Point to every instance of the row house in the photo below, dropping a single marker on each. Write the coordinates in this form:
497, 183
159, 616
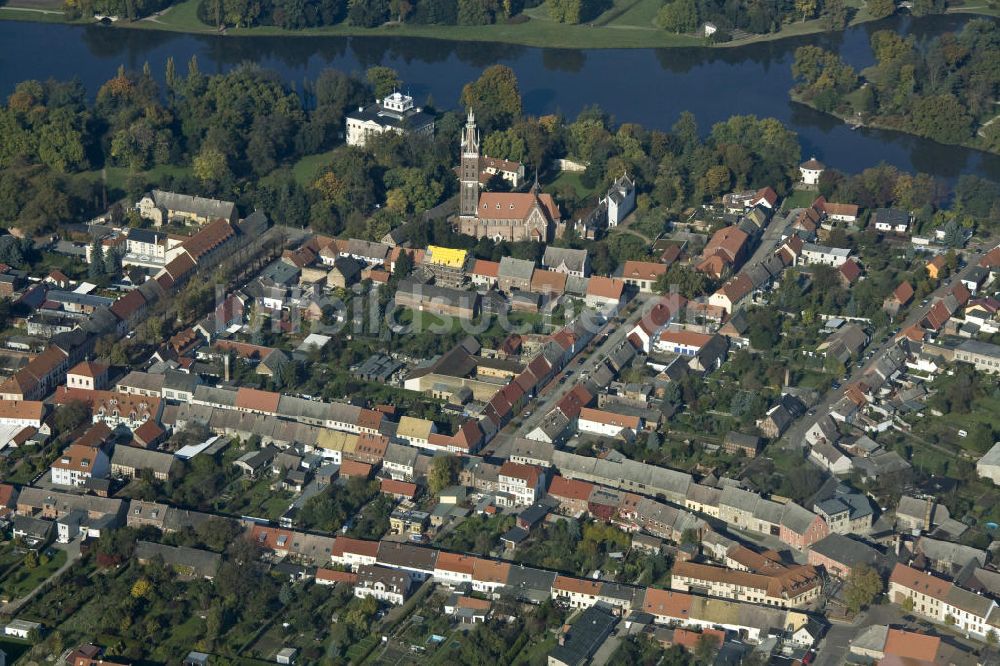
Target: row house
942, 601
584, 593
38, 378
454, 569
390, 586
643, 275
605, 423
751, 621
793, 587
572, 495
114, 409
519, 485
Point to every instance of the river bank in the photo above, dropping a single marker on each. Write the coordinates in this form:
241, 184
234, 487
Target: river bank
873, 124
628, 25
649, 87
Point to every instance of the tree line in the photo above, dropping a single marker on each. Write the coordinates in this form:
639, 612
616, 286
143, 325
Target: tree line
944, 89
298, 14
685, 16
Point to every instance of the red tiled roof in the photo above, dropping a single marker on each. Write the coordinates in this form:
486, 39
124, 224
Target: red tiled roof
666, 603
257, 400
32, 410
660, 313
768, 195
686, 338
88, 369
543, 281
671, 254
179, 266
370, 419
920, 581
899, 643
398, 488
570, 488
125, 307
730, 240
334, 576
342, 545
349, 468
991, 259
605, 287
850, 270
572, 402
576, 585
515, 205
643, 270
609, 418
77, 458
209, 238
148, 432
489, 571
486, 268
455, 562
903, 293
468, 435
527, 473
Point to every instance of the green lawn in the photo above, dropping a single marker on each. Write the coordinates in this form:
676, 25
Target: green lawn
23, 580
799, 199
257, 499
571, 178
307, 168
629, 24
638, 14
539, 30
16, 14
118, 176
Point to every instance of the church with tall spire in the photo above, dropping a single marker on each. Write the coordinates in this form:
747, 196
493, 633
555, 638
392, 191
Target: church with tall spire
501, 216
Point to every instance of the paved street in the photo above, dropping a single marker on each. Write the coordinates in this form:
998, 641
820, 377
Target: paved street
554, 391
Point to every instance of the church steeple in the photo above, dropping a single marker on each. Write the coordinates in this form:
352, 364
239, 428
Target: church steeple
469, 192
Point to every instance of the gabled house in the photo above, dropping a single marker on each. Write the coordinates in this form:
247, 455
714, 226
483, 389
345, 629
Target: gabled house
79, 464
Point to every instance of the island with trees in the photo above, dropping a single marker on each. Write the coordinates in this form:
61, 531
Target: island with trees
945, 89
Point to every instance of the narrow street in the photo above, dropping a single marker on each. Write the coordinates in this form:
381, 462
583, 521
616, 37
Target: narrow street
795, 435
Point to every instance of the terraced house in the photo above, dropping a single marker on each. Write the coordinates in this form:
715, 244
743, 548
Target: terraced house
791, 587
942, 601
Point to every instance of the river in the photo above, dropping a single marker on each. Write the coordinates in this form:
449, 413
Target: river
646, 86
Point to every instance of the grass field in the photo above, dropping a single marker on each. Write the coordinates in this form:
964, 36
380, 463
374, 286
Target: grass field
628, 24
118, 176
23, 580
799, 199
308, 167
573, 180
